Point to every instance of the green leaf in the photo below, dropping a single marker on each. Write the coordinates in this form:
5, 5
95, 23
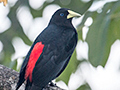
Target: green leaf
84, 87
102, 34
13, 64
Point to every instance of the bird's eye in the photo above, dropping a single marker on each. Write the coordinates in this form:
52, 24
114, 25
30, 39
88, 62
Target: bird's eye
61, 14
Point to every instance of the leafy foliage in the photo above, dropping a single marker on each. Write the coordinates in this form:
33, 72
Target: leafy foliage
103, 32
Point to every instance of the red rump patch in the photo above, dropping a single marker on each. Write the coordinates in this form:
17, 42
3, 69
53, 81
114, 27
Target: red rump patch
35, 54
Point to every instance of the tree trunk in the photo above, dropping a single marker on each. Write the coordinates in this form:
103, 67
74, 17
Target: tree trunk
9, 78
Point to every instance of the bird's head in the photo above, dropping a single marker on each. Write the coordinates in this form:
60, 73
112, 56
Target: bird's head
63, 16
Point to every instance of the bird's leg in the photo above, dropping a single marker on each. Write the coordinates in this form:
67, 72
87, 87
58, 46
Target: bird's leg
52, 84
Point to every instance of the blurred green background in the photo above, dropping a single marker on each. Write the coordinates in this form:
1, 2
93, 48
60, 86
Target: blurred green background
100, 19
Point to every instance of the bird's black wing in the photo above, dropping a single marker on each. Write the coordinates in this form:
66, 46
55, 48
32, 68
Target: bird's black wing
45, 68
23, 68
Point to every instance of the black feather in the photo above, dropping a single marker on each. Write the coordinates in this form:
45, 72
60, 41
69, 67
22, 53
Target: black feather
59, 39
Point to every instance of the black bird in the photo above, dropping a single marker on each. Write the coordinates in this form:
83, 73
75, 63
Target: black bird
50, 52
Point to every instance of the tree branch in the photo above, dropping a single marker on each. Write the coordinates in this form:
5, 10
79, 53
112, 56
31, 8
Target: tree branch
9, 78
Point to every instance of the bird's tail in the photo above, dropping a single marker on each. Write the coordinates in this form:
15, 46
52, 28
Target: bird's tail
19, 83
28, 85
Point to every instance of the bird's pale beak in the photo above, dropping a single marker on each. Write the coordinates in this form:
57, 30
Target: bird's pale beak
72, 14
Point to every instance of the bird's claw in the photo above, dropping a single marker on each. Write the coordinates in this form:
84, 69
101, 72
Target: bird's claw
52, 84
